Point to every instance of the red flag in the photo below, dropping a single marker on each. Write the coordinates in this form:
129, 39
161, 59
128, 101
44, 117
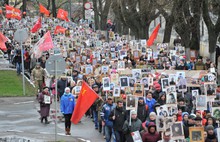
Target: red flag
37, 26
45, 43
62, 14
12, 12
3, 39
59, 29
43, 10
87, 96
153, 36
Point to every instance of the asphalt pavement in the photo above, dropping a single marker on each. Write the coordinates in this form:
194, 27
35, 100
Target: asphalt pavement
19, 121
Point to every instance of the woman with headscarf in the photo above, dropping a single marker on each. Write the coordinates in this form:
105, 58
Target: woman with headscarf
45, 99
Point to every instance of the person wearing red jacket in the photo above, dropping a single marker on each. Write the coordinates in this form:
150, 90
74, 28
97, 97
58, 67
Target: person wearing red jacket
152, 135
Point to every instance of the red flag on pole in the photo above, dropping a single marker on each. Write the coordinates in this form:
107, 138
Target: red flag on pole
3, 39
12, 12
59, 29
43, 10
153, 36
37, 26
62, 14
45, 43
87, 96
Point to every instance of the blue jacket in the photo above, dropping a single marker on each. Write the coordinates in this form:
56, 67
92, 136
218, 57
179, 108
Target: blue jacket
150, 104
67, 103
106, 110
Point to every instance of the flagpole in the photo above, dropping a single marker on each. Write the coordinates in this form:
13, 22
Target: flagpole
22, 58
56, 101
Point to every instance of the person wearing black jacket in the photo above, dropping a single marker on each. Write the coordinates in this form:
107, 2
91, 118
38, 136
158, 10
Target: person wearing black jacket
141, 110
17, 61
118, 116
61, 85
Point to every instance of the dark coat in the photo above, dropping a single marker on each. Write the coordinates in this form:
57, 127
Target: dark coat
120, 117
142, 112
61, 85
44, 108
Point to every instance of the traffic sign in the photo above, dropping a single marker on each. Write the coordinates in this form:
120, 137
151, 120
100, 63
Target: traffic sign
88, 5
55, 65
21, 35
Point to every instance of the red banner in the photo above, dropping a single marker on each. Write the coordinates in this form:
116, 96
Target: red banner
43, 10
12, 12
37, 26
62, 14
153, 36
86, 98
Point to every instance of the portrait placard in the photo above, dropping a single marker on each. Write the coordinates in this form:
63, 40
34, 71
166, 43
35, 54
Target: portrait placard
160, 123
216, 112
165, 83
138, 89
131, 102
116, 91
47, 99
106, 83
114, 78
201, 102
124, 81
136, 54
196, 134
77, 89
89, 70
177, 131
162, 111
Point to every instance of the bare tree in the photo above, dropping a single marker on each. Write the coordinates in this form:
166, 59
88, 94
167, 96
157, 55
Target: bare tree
137, 15
166, 8
101, 9
213, 25
187, 22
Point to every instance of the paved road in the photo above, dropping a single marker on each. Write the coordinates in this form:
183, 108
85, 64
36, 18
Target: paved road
19, 117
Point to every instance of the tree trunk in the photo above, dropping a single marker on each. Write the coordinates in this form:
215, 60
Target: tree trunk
24, 6
212, 41
168, 29
54, 8
103, 22
96, 16
48, 4
142, 33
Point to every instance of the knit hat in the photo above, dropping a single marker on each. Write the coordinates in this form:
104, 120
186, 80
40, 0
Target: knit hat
133, 112
209, 127
153, 114
67, 88
185, 113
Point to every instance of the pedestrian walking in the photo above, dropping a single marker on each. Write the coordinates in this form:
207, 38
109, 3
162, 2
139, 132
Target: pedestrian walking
67, 105
38, 75
45, 100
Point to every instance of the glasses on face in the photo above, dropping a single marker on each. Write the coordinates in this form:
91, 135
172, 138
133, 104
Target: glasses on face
109, 99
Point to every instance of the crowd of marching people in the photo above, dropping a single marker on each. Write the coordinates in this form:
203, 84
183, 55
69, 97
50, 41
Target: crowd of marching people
170, 105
